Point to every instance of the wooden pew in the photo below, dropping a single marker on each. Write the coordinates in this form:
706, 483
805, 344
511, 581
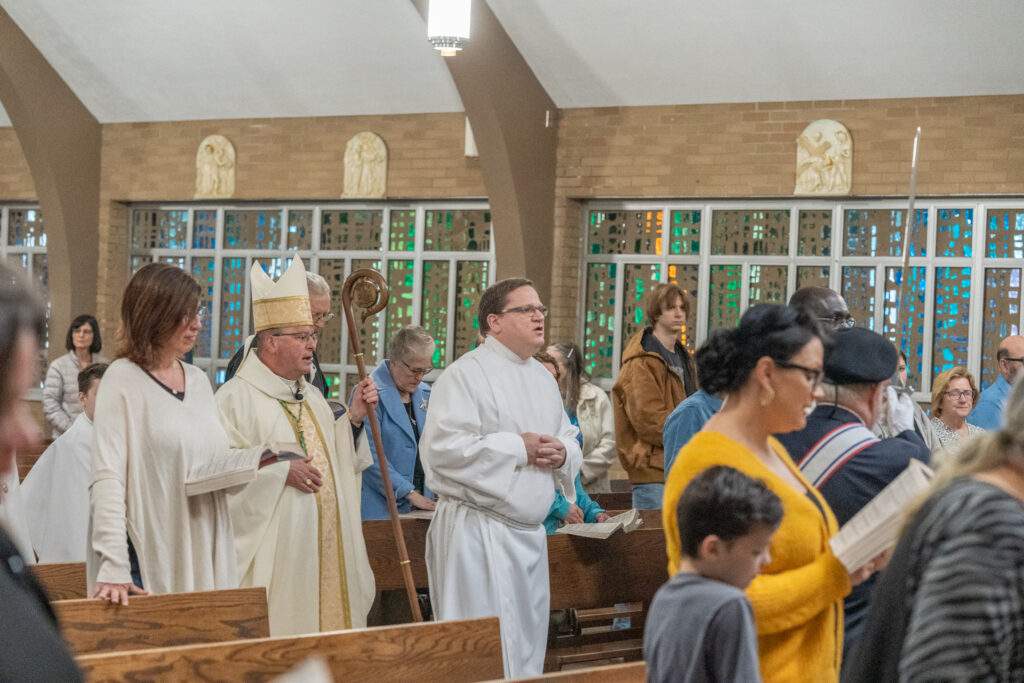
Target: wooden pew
633, 672
27, 459
64, 581
450, 652
614, 501
163, 620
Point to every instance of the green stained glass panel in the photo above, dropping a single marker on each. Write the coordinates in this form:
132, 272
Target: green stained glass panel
750, 232
638, 281
457, 230
687, 276
345, 230
814, 233
599, 319
402, 231
767, 285
399, 312
724, 296
369, 331
471, 281
684, 236
328, 349
434, 307
812, 276
625, 232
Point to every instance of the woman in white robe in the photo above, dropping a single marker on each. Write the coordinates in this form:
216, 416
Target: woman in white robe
157, 432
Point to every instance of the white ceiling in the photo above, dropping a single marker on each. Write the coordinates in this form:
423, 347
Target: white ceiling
157, 60
643, 52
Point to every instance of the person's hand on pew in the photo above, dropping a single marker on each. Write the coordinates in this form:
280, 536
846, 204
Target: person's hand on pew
303, 476
419, 501
116, 593
543, 450
574, 516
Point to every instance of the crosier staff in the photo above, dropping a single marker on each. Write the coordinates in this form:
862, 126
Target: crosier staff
369, 290
907, 234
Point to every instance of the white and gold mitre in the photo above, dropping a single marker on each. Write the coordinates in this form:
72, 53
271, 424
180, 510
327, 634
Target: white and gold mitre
284, 303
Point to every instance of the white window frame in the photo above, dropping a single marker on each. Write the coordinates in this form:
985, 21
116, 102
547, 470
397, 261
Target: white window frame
28, 265
313, 256
836, 261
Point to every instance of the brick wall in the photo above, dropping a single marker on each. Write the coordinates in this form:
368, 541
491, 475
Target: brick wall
970, 145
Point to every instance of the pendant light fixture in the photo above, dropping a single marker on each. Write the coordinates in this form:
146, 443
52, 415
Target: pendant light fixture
448, 25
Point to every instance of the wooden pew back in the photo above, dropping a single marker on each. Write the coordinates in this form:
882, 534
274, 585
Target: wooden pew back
65, 581
163, 620
633, 672
450, 652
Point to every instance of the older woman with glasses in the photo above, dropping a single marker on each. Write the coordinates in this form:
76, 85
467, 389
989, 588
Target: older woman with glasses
402, 412
953, 398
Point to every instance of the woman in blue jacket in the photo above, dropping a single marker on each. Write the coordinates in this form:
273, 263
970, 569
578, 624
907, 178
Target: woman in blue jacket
401, 412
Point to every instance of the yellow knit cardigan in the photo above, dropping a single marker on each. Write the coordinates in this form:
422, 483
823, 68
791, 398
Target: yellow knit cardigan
798, 598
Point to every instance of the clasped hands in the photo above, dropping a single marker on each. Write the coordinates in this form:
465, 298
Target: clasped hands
543, 450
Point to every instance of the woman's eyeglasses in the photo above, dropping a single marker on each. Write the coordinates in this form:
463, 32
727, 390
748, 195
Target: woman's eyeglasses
813, 376
955, 395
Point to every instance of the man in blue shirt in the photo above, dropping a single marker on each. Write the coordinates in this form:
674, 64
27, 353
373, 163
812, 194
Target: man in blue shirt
687, 419
988, 413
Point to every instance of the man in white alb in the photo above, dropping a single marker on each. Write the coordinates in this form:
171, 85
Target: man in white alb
298, 528
496, 444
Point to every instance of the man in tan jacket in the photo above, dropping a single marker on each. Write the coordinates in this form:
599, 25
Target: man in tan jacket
657, 373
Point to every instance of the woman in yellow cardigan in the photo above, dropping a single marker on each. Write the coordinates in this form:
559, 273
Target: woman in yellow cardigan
770, 368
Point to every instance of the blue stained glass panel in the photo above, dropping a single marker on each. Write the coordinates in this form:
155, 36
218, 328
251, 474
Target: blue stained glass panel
907, 329
1001, 317
252, 229
859, 292
879, 232
1005, 235
204, 271
952, 318
204, 229
954, 231
232, 305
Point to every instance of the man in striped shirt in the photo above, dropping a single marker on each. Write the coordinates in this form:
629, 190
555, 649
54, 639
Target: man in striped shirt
838, 452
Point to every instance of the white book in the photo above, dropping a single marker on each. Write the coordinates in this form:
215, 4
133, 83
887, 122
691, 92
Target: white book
235, 468
630, 520
876, 528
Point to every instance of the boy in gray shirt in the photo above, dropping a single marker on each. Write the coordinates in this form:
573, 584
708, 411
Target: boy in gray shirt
700, 626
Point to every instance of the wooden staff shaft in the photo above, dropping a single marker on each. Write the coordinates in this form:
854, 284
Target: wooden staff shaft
382, 461
901, 296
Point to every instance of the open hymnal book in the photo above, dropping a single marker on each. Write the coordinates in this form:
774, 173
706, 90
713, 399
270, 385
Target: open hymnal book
235, 468
876, 527
630, 520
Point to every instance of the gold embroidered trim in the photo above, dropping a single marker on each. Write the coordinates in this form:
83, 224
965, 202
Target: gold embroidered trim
285, 311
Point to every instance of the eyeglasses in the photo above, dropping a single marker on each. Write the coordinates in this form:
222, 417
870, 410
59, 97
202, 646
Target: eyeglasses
419, 372
1015, 360
199, 315
955, 395
813, 376
323, 318
528, 310
302, 337
840, 321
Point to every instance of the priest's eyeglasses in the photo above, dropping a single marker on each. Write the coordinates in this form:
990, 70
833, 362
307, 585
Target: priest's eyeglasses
813, 376
302, 337
528, 310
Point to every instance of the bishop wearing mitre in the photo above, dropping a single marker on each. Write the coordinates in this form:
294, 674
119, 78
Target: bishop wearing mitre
297, 527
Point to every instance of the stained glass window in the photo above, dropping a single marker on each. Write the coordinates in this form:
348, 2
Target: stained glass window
471, 281
232, 305
724, 296
908, 331
625, 232
160, 229
812, 276
638, 281
767, 284
879, 232
599, 319
329, 347
1001, 316
25, 228
459, 230
434, 306
859, 292
333, 381
252, 229
351, 230
688, 277
954, 231
204, 271
1005, 238
814, 233
299, 230
684, 237
750, 232
368, 330
204, 229
402, 231
952, 318
401, 277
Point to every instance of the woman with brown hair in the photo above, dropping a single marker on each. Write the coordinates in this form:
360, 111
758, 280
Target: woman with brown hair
157, 431
953, 398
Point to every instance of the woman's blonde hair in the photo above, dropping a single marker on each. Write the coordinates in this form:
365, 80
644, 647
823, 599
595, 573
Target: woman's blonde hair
988, 451
942, 385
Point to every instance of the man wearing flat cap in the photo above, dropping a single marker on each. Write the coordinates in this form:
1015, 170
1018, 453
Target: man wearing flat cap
837, 450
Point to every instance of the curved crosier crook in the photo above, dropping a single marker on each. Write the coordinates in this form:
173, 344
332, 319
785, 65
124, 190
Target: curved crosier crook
368, 290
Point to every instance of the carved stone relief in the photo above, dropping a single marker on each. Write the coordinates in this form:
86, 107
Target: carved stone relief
215, 168
824, 159
366, 166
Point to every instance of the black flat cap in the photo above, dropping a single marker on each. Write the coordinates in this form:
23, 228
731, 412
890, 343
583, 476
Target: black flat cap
859, 356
